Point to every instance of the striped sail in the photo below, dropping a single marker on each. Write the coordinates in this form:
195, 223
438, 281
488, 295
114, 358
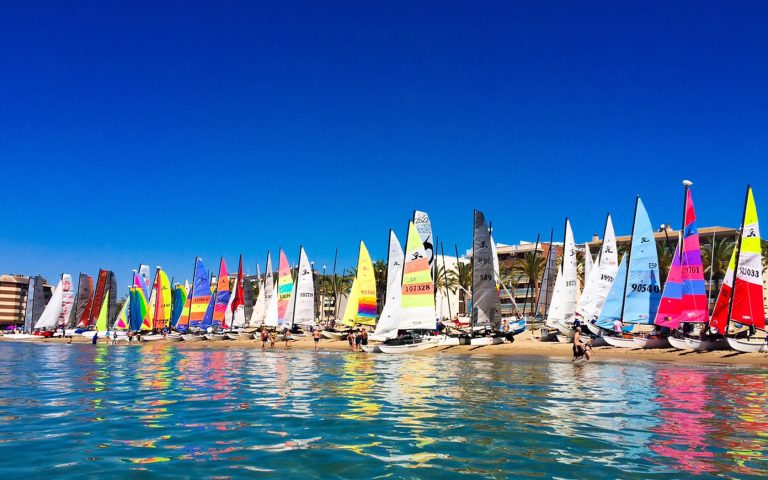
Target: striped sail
747, 293
668, 313
366, 302
304, 301
235, 315
612, 307
643, 291
485, 297
163, 303
179, 304
270, 296
601, 278
417, 301
222, 297
719, 319
389, 318
101, 322
200, 297
693, 304
138, 307
284, 289
566, 286
122, 322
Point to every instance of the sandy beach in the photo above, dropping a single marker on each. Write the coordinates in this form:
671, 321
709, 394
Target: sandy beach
524, 345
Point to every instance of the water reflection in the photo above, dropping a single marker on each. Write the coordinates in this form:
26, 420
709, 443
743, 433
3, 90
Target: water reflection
165, 410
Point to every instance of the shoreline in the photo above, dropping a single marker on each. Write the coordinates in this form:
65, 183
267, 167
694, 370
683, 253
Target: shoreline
524, 345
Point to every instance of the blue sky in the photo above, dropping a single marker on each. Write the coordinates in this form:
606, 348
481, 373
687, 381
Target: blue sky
156, 131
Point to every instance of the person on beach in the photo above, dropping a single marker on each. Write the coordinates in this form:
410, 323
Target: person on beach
95, 338
364, 337
351, 340
581, 349
114, 338
264, 337
272, 339
358, 341
316, 337
288, 338
618, 327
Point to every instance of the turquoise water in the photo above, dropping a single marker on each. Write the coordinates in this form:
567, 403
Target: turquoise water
163, 410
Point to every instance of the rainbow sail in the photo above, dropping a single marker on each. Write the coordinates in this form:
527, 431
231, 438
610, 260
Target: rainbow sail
284, 289
236, 312
122, 320
418, 292
693, 303
163, 302
746, 294
222, 297
200, 297
179, 303
138, 307
366, 284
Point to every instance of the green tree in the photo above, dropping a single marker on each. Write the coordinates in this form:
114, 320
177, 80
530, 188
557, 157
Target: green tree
715, 258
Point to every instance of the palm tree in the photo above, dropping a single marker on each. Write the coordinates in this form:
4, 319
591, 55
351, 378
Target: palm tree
529, 267
665, 253
380, 274
461, 278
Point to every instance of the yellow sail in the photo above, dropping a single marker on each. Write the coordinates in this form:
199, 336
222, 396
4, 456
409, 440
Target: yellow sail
366, 284
101, 322
164, 301
350, 311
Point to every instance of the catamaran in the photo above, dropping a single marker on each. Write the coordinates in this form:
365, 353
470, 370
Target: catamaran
561, 310
600, 279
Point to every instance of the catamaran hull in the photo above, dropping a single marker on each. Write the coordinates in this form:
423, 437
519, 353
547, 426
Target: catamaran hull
645, 342
411, 347
448, 341
678, 343
564, 338
371, 348
174, 338
192, 338
706, 345
599, 342
232, 336
214, 337
620, 342
334, 335
482, 341
21, 337
547, 335
747, 346
151, 338
594, 329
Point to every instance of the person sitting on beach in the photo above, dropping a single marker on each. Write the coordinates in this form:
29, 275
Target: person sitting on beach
580, 349
316, 337
351, 340
288, 338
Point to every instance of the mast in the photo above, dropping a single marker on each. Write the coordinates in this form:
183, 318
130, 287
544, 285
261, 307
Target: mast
335, 288
711, 268
191, 295
549, 252
389, 245
293, 313
736, 266
472, 316
629, 257
531, 280
156, 287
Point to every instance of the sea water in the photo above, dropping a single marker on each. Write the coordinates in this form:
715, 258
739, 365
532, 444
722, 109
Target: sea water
69, 411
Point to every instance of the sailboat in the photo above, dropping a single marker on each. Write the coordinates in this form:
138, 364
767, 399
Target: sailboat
361, 306
35, 304
417, 302
199, 301
303, 306
57, 309
741, 300
221, 302
485, 318
684, 300
160, 306
635, 293
387, 326
284, 291
547, 282
235, 314
600, 278
561, 309
260, 307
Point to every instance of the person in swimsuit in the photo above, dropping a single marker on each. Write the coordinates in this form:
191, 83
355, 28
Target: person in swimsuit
288, 337
272, 339
316, 337
351, 340
580, 349
364, 337
264, 337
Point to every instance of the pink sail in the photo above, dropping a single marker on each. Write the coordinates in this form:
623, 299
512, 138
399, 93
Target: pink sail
694, 307
669, 305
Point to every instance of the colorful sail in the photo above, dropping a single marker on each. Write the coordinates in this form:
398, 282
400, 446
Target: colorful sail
122, 322
284, 289
601, 278
164, 304
138, 309
235, 315
67, 299
719, 319
418, 292
566, 286
390, 314
145, 280
222, 297
485, 297
612, 307
668, 313
200, 297
642, 291
270, 296
101, 322
98, 297
747, 293
350, 309
693, 304
366, 304
179, 301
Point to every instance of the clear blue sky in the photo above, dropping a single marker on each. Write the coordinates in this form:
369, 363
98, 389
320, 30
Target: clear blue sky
156, 131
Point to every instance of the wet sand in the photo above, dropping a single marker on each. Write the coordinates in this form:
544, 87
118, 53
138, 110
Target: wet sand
524, 345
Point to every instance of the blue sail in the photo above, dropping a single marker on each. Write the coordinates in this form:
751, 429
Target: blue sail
208, 318
643, 289
612, 306
136, 317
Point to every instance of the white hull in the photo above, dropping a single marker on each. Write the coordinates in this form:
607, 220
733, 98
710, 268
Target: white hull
706, 345
678, 343
232, 336
21, 336
486, 341
248, 335
621, 342
152, 338
192, 338
564, 338
174, 338
547, 335
413, 347
594, 329
334, 335
91, 333
371, 348
645, 342
747, 346
599, 342
214, 337
448, 341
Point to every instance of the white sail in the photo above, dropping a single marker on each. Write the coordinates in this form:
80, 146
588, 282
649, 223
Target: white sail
50, 317
601, 277
260, 309
304, 302
486, 307
423, 225
67, 298
389, 318
228, 314
566, 286
270, 319
547, 283
588, 261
